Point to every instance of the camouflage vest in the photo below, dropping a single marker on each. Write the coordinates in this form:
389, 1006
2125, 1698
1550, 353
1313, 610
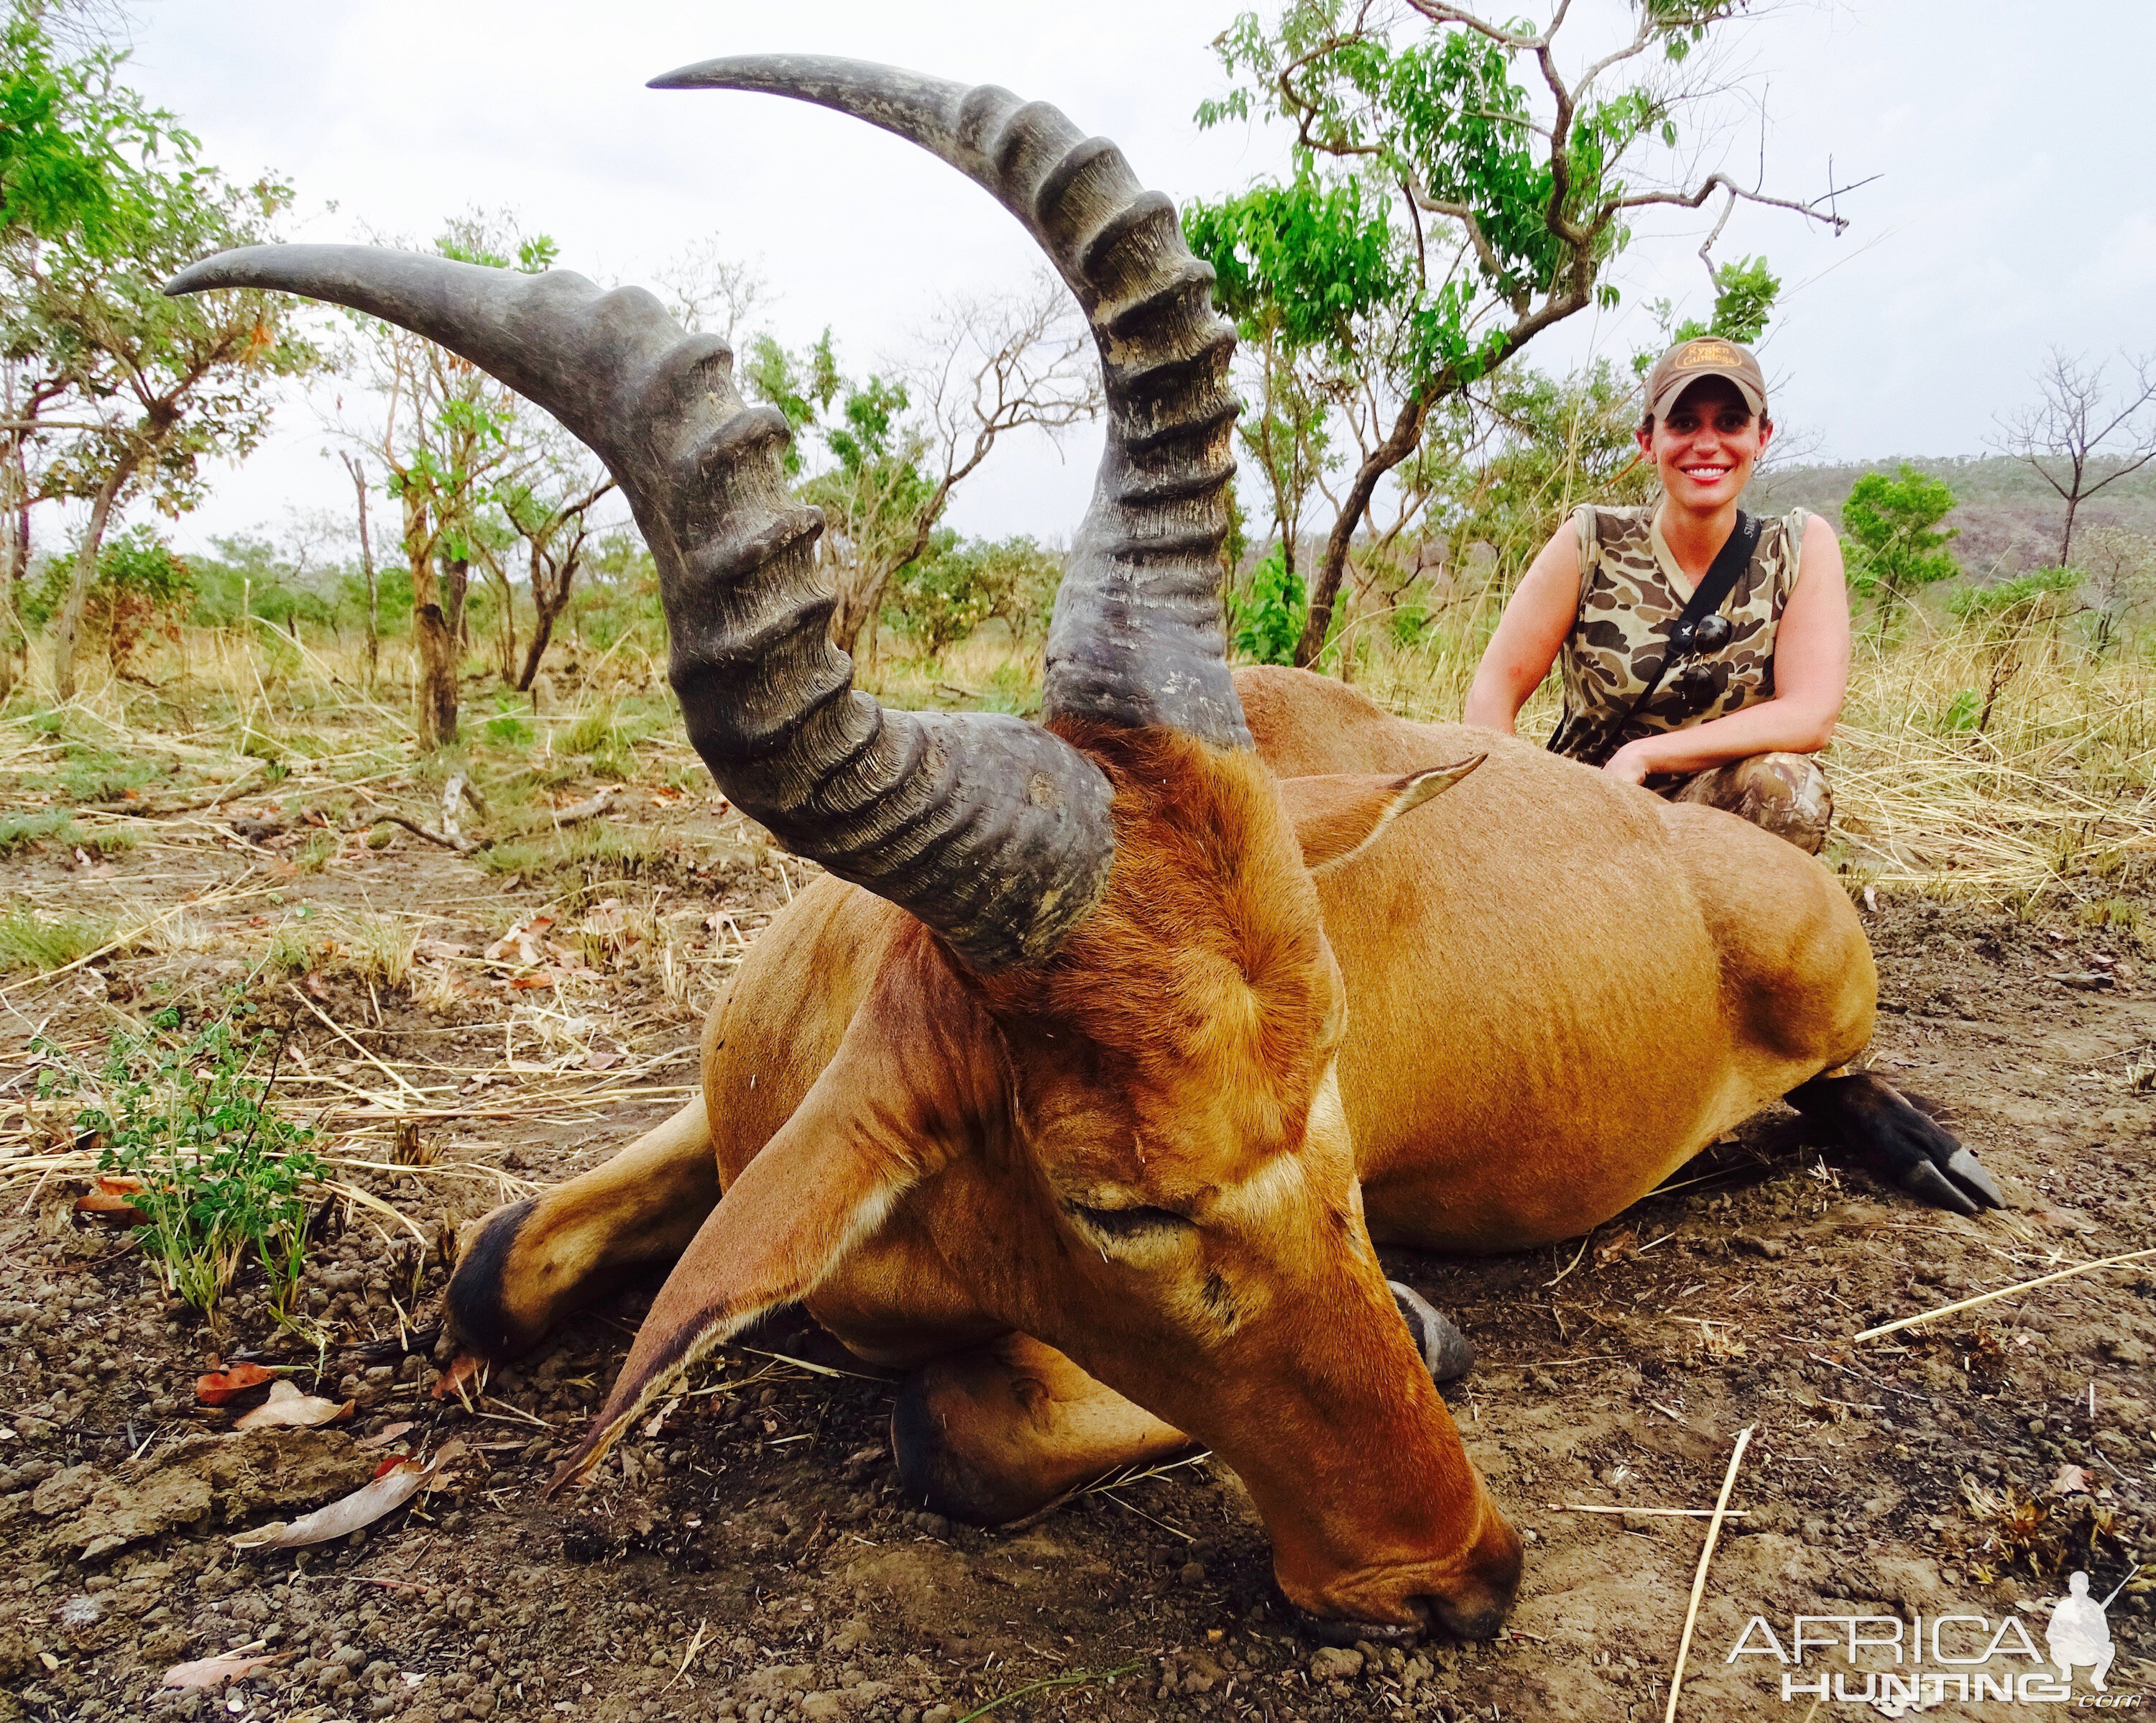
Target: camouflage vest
1631, 592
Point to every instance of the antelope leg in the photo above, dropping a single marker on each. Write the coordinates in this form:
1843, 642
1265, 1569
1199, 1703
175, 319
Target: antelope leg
528, 1264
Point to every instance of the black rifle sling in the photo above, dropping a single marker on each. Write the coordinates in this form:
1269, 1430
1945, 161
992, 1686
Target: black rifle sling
1716, 585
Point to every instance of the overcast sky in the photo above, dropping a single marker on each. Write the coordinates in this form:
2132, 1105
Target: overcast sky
2009, 213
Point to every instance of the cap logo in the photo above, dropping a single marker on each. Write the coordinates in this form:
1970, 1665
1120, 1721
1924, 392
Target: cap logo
1706, 353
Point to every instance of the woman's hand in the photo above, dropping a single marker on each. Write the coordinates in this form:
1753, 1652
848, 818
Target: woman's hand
1628, 764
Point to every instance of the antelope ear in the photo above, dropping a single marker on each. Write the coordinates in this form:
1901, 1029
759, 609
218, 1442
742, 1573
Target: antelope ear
1339, 815
895, 1104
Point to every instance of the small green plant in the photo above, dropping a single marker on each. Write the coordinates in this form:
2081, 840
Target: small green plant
221, 1173
1265, 622
19, 831
2111, 912
510, 726
93, 775
30, 939
592, 734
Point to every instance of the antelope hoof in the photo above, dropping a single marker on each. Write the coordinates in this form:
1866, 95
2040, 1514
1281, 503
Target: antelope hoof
1445, 1351
477, 1304
1904, 1143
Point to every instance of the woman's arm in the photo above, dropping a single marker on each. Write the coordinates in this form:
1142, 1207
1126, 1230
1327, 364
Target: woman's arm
1536, 619
1811, 679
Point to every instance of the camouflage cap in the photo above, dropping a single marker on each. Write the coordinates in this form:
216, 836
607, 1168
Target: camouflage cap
1705, 355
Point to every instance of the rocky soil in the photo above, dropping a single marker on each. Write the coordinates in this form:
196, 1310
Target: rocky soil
749, 1554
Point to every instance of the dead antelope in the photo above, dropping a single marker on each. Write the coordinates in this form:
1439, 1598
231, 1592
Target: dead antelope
1082, 1085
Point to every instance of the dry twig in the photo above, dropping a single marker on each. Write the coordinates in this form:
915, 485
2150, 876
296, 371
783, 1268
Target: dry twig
2019, 1286
1705, 1556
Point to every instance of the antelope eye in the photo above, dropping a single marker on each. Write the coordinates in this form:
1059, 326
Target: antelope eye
1128, 1222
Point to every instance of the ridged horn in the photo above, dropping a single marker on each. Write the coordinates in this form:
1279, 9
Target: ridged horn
993, 833
1136, 638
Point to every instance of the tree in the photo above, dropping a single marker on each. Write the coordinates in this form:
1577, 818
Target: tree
2075, 439
901, 446
351, 464
1287, 441
72, 141
153, 385
942, 596
1891, 523
550, 512
1438, 215
448, 442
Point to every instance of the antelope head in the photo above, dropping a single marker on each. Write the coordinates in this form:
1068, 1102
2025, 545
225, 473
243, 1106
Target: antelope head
1101, 1071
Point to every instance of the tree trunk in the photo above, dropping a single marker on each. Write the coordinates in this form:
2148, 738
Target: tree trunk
366, 565
2067, 541
505, 639
431, 636
455, 588
550, 596
859, 594
1325, 590
85, 571
542, 631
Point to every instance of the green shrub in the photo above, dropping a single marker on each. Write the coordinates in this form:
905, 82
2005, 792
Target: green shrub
141, 587
941, 597
221, 1173
1265, 619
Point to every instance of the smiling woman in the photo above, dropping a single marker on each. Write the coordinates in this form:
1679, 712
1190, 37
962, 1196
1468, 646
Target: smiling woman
1704, 654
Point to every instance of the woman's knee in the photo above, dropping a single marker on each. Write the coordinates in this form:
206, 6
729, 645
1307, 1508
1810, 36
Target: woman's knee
1786, 794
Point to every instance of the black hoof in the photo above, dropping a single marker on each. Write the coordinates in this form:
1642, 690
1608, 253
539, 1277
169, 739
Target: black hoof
477, 1315
1904, 1143
1445, 1352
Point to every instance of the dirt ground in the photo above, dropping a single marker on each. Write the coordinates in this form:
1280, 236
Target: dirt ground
748, 1556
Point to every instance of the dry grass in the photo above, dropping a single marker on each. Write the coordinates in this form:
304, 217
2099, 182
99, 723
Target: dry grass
2013, 769
2016, 769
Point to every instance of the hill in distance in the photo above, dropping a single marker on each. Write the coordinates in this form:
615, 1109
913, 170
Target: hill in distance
2008, 518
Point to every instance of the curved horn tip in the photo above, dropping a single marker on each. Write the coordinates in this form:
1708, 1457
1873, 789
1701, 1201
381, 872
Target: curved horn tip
200, 274
729, 70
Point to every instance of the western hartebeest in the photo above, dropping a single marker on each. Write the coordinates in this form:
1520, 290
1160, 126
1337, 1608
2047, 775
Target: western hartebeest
1083, 1084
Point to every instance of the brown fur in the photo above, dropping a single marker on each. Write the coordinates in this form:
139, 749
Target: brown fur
1152, 1155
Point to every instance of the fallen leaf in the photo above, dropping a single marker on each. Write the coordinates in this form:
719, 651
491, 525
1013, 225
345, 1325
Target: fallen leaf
288, 1407
2071, 1480
219, 1386
216, 1671
110, 1200
460, 1372
521, 941
350, 1514
601, 1059
1611, 1249
312, 985
390, 1465
382, 1438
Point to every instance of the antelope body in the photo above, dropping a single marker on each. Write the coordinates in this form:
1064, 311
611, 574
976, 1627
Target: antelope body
1083, 1082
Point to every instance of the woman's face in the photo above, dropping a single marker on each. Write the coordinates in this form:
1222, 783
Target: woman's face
1704, 447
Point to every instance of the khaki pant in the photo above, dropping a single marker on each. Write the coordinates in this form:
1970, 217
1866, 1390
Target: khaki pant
1786, 794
